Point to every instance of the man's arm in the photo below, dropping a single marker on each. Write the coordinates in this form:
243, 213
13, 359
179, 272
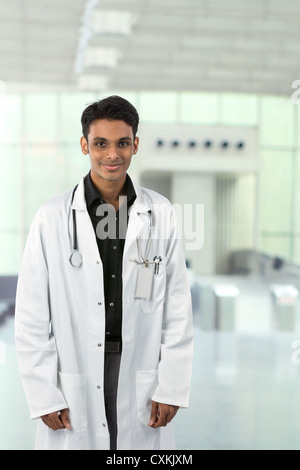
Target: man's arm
36, 348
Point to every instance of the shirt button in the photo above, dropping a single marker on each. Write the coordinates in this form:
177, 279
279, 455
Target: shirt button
113, 276
111, 304
115, 247
107, 333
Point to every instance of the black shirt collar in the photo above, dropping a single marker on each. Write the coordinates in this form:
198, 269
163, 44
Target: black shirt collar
92, 194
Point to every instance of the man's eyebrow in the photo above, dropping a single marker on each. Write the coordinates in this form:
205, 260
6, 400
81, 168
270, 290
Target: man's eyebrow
100, 138
103, 139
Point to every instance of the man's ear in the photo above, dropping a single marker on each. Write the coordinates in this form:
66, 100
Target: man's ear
84, 145
136, 145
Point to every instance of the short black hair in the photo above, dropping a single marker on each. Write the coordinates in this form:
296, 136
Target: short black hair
113, 108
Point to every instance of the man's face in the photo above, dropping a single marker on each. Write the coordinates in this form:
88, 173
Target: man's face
110, 146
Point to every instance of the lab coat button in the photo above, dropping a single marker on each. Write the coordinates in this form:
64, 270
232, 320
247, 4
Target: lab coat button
97, 262
99, 345
99, 303
98, 386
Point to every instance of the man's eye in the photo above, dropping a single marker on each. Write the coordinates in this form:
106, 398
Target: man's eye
100, 144
124, 144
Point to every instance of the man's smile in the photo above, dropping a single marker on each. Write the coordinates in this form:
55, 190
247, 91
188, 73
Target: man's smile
111, 166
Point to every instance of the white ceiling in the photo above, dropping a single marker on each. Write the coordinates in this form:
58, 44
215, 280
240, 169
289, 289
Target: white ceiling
215, 45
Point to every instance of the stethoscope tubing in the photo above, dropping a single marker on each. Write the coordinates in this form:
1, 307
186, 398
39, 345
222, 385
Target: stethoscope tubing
76, 257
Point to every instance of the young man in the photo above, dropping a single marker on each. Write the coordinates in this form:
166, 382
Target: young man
103, 313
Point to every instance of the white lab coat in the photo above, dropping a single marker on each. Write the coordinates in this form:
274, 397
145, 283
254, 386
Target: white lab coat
60, 327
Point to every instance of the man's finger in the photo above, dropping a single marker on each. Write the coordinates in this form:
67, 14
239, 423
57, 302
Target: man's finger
164, 414
64, 417
54, 420
154, 412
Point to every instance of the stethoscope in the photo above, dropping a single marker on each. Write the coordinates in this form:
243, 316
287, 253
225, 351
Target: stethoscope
76, 257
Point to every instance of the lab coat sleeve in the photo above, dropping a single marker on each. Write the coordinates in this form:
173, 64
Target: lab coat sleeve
175, 366
36, 348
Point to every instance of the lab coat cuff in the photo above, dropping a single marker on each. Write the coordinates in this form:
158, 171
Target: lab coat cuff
38, 414
171, 401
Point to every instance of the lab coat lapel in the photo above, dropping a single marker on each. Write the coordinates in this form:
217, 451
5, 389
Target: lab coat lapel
87, 242
136, 223
79, 197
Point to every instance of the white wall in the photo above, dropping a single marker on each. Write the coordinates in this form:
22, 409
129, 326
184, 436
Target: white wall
220, 180
190, 191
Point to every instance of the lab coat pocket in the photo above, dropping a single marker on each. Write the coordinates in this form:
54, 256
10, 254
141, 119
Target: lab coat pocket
146, 383
156, 302
73, 387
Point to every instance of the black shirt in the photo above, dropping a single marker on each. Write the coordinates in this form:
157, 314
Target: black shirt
110, 231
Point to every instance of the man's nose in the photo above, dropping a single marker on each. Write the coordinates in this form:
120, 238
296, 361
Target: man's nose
112, 152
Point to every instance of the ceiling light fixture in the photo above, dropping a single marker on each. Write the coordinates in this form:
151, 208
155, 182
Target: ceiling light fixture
90, 82
84, 35
113, 22
101, 57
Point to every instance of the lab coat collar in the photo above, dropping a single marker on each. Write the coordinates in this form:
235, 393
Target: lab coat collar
136, 223
79, 197
140, 205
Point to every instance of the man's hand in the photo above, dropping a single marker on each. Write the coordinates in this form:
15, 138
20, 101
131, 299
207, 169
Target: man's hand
57, 420
161, 414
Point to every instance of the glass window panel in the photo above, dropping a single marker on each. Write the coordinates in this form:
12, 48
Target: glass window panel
42, 169
10, 188
277, 121
297, 251
239, 109
71, 108
276, 186
10, 252
76, 165
198, 108
276, 246
41, 117
158, 107
297, 113
10, 118
296, 194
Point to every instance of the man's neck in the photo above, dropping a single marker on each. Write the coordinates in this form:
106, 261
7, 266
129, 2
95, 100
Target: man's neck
110, 190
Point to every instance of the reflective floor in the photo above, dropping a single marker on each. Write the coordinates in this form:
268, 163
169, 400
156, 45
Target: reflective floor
245, 389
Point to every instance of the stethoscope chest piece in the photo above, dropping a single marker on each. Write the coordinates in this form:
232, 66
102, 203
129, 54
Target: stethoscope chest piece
76, 259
